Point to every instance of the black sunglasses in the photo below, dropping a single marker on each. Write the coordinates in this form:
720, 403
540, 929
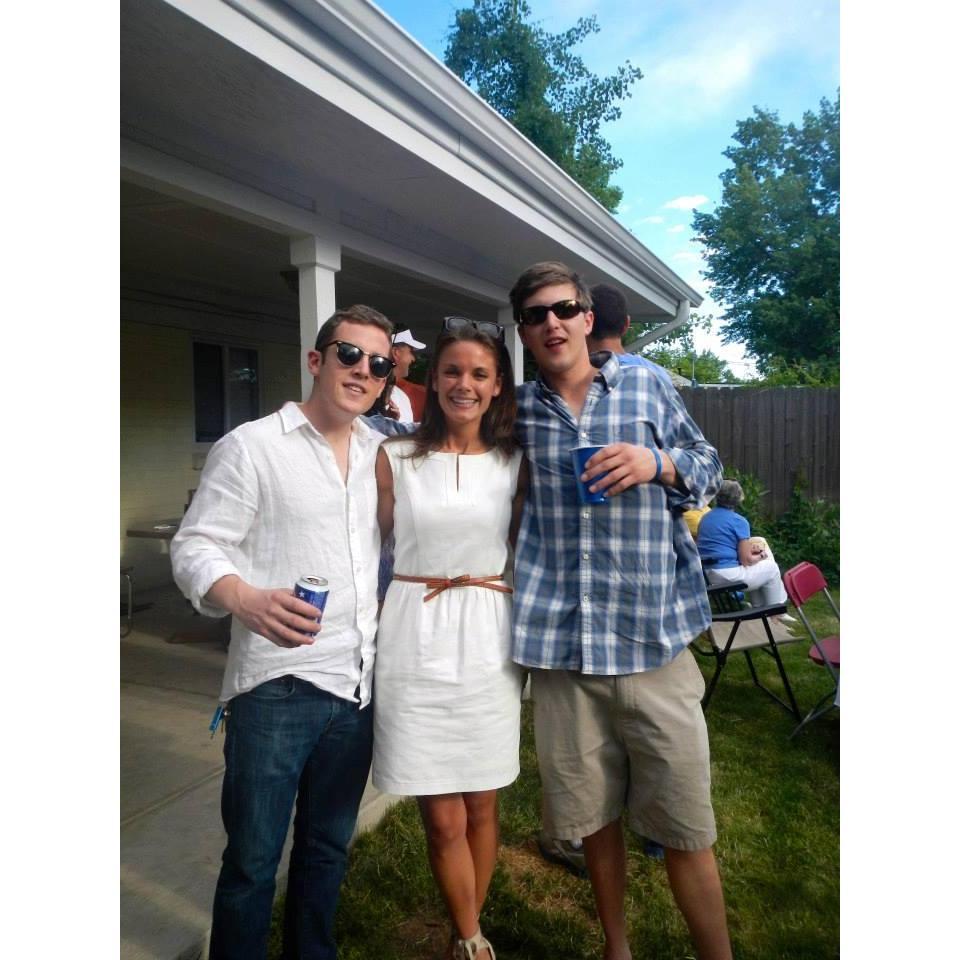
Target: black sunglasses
488, 327
562, 310
349, 355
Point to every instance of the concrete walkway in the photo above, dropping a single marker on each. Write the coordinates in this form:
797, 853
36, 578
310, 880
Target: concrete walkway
171, 837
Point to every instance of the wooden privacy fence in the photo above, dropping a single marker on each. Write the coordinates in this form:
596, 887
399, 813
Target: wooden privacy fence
776, 433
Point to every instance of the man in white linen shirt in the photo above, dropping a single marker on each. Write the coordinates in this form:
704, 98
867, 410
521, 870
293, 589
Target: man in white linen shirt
291, 494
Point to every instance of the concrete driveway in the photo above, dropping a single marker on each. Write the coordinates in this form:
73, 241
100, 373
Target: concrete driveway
171, 837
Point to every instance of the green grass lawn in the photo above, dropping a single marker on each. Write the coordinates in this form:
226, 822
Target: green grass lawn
778, 817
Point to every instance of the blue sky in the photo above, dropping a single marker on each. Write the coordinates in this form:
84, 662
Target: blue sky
705, 65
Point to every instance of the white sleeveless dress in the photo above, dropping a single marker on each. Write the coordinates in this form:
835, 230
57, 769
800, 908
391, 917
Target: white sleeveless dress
446, 693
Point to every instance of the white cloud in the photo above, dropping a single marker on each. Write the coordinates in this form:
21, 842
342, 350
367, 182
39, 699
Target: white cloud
686, 256
714, 73
704, 56
651, 220
686, 203
679, 228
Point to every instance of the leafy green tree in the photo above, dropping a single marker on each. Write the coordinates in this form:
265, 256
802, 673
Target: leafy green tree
706, 365
773, 243
675, 351
681, 337
530, 77
812, 373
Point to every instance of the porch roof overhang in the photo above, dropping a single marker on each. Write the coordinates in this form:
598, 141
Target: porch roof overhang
331, 114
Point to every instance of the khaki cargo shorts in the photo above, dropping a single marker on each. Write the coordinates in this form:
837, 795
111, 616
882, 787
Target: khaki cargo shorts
637, 742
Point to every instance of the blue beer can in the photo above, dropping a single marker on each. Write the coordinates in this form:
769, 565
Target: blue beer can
314, 590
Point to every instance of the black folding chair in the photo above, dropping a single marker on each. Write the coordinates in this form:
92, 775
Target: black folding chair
737, 628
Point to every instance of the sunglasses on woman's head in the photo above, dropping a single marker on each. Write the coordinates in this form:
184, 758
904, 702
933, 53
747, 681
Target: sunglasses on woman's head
562, 310
489, 327
349, 355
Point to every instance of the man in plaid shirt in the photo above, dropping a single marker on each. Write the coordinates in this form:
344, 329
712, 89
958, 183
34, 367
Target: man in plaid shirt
608, 596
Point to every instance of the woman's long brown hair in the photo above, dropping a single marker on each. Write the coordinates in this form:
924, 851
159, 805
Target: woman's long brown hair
496, 425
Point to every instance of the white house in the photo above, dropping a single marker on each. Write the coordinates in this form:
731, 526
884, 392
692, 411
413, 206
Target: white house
279, 159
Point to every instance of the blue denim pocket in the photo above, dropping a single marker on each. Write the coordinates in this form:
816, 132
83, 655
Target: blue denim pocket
277, 689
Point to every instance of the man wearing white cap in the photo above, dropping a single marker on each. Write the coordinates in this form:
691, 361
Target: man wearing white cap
403, 353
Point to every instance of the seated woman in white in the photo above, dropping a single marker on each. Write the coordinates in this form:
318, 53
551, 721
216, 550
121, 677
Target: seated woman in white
729, 554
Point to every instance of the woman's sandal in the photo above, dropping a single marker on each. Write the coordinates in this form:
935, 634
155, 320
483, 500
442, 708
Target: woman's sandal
467, 949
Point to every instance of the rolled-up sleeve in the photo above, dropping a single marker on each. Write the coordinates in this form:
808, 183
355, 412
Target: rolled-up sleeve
699, 470
206, 547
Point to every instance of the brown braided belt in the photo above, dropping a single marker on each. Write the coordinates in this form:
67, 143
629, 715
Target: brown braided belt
436, 585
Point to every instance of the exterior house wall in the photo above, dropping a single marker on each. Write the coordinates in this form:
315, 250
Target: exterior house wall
159, 459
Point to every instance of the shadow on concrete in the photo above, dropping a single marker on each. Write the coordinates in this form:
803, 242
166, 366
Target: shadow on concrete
171, 837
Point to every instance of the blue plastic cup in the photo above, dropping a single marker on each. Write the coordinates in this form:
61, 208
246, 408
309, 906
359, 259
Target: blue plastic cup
580, 456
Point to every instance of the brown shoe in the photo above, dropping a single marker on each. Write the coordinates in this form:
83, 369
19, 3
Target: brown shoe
563, 852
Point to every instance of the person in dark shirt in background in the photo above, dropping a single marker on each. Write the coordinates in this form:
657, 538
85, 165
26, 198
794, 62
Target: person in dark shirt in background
610, 322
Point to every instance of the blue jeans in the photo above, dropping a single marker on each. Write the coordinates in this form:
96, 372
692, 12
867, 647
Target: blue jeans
287, 740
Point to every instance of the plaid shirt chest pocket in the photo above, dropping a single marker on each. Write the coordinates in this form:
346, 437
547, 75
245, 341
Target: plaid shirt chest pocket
610, 420
638, 432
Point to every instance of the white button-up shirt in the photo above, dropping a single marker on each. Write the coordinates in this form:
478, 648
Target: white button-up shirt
271, 507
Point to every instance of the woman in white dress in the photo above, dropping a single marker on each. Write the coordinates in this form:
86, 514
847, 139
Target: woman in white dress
447, 695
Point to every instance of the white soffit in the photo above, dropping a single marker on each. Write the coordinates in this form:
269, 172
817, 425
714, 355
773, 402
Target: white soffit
387, 81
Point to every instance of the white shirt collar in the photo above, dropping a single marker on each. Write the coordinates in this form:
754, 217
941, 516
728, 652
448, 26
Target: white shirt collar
293, 418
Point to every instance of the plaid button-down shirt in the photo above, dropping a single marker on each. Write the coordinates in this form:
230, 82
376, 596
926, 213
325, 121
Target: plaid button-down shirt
616, 587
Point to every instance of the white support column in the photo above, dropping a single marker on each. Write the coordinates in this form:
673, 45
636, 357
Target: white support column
318, 260
514, 346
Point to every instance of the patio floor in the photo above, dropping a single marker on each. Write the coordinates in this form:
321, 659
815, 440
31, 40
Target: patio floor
171, 837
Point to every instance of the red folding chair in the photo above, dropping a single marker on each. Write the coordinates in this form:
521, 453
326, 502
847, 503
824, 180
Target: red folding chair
803, 582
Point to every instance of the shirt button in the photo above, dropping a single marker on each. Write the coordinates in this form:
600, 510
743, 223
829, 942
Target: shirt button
586, 556
583, 434
586, 598
585, 514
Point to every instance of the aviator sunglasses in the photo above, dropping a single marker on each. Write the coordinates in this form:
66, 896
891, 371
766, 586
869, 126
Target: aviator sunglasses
562, 310
349, 355
488, 327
